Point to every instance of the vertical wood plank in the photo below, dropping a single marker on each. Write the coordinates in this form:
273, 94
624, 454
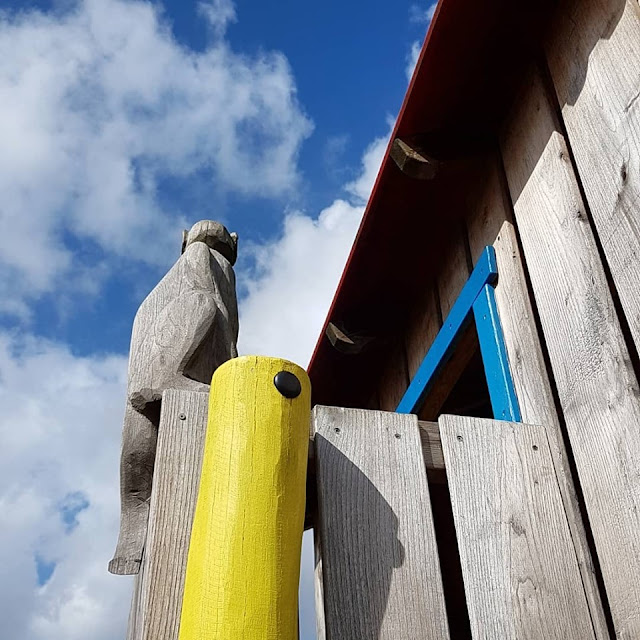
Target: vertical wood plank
520, 571
173, 500
593, 54
321, 633
454, 272
489, 222
423, 326
394, 380
596, 384
379, 556
434, 303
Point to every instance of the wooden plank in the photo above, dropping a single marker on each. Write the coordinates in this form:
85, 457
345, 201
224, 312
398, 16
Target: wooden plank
450, 374
394, 380
379, 556
489, 222
520, 572
412, 161
422, 328
432, 451
454, 272
595, 381
321, 632
173, 500
593, 54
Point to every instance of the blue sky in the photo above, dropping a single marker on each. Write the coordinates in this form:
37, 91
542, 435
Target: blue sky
123, 122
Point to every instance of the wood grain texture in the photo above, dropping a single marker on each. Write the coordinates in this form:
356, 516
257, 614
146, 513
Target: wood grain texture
449, 374
423, 326
596, 384
379, 557
521, 577
173, 502
243, 568
321, 631
432, 451
425, 322
489, 222
454, 272
185, 328
593, 54
394, 380
412, 161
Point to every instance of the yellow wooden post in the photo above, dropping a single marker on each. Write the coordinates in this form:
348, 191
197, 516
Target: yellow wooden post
244, 556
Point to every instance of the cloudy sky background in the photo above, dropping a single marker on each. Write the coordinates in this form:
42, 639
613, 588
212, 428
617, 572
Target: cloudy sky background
121, 123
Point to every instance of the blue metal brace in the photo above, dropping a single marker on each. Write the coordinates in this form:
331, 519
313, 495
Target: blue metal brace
477, 299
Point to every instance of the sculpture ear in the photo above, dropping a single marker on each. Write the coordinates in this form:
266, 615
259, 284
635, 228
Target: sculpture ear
234, 239
185, 235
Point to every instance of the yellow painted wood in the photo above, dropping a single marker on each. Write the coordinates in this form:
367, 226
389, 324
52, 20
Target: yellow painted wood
244, 557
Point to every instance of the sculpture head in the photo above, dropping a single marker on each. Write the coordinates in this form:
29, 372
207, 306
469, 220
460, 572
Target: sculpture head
215, 236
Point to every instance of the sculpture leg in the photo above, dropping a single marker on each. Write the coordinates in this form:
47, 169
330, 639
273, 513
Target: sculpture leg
136, 476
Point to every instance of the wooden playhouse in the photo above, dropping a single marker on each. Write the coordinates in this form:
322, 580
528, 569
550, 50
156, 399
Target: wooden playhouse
495, 277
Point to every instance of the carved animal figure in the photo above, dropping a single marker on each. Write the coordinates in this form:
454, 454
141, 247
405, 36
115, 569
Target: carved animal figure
185, 328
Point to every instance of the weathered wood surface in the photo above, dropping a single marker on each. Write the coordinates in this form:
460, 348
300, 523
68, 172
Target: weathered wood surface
185, 328
412, 161
432, 450
454, 272
426, 320
394, 380
520, 571
173, 501
321, 632
595, 381
423, 326
490, 222
593, 54
379, 557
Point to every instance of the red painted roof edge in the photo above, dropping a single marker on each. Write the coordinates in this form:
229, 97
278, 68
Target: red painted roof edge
376, 185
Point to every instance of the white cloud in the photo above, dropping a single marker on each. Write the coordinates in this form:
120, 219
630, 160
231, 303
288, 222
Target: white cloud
60, 429
219, 13
97, 104
290, 292
412, 59
418, 15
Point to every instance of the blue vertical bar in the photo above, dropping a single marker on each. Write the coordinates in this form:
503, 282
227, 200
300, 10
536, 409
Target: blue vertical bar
494, 356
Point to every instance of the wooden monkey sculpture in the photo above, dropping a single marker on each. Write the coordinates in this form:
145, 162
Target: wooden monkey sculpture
185, 328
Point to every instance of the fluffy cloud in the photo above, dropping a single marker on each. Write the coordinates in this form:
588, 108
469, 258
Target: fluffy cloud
98, 104
60, 429
290, 290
